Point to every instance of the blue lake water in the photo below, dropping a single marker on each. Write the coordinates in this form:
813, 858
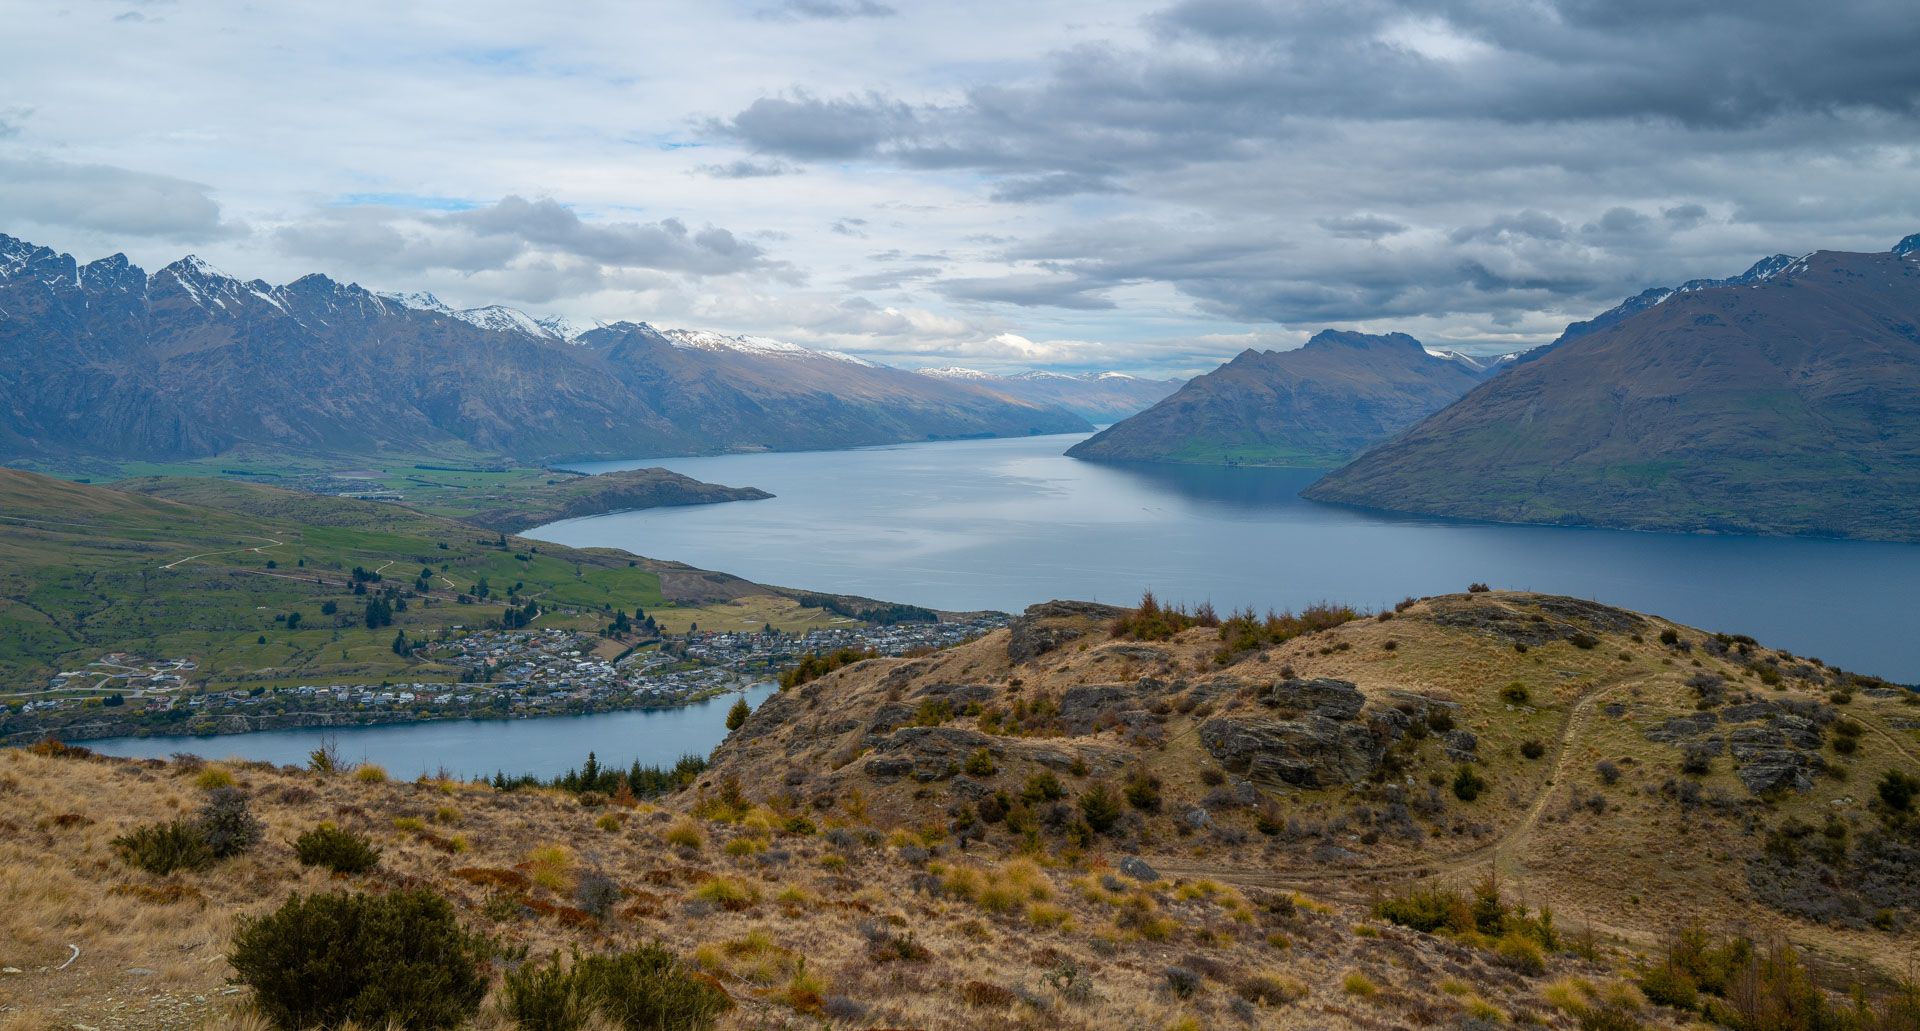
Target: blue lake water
546, 746
1004, 523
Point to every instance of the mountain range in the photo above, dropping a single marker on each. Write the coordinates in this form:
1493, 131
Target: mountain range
117, 365
1095, 396
1312, 406
1783, 401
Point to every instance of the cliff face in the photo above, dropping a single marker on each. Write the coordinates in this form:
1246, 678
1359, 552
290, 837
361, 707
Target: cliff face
117, 365
1784, 405
1314, 406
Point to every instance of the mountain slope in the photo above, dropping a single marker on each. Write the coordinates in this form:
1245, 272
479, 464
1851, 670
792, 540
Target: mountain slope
189, 362
1313, 406
1790, 405
1094, 396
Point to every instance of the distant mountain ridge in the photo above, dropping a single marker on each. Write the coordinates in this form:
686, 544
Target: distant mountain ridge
117, 365
1309, 407
1783, 401
1094, 396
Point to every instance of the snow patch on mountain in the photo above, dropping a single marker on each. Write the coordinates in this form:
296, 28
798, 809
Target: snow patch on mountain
708, 340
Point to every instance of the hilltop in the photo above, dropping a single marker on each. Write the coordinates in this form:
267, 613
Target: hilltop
116, 365
1310, 407
1785, 404
1102, 817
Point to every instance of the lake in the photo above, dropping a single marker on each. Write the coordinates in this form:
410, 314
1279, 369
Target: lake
1002, 524
546, 746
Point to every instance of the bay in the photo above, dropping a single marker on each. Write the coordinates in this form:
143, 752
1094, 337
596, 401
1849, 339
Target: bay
546, 746
1002, 524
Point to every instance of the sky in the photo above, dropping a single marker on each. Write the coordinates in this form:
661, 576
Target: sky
1145, 187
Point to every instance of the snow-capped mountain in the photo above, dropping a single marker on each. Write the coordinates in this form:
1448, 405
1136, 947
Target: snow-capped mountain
1761, 271
708, 340
192, 362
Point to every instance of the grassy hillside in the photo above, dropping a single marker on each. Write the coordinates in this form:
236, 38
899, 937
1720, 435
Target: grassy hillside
1240, 764
200, 568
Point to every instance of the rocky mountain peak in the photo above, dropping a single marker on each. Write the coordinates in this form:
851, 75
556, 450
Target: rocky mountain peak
1907, 245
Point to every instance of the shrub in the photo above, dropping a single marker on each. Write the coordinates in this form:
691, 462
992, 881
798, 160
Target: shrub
1143, 791
1515, 694
370, 773
1356, 983
1669, 636
1427, 909
1101, 806
727, 893
1043, 787
1519, 953
596, 894
1439, 721
684, 833
1665, 986
1532, 748
162, 848
335, 849
226, 824
1478, 588
1183, 983
1608, 770
1270, 989
1584, 641
1467, 784
1898, 790
1212, 776
980, 764
399, 959
738, 714
213, 777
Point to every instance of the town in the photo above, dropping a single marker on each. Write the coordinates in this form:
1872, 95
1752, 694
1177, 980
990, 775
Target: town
501, 674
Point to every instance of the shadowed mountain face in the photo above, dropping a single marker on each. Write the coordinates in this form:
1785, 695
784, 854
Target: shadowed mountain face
113, 364
1314, 406
1788, 404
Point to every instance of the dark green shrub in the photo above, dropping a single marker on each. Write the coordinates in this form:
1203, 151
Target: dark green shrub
1669, 636
1439, 721
1143, 791
226, 824
1515, 693
647, 989
1427, 909
1101, 806
1467, 784
1584, 640
980, 764
1532, 748
1212, 776
378, 960
1665, 986
162, 848
336, 850
1608, 770
1897, 790
1606, 1018
1043, 787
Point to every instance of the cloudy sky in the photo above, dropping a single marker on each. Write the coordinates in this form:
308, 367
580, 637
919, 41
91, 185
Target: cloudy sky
1076, 185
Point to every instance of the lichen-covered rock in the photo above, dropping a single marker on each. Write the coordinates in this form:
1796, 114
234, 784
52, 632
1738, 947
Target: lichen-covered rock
1676, 728
1137, 868
1083, 706
1461, 745
1321, 696
1030, 636
1309, 751
1775, 769
933, 753
960, 695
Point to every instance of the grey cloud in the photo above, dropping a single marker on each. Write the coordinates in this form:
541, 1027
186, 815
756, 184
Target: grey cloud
516, 229
1361, 227
1235, 75
891, 279
1685, 216
825, 10
1619, 221
848, 226
744, 169
109, 199
1051, 186
1030, 291
1533, 224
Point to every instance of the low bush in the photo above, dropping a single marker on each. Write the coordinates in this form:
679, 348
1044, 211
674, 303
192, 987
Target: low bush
1101, 806
596, 894
1515, 694
684, 833
980, 764
213, 777
1270, 989
1532, 748
227, 824
1467, 784
370, 773
386, 960
1143, 791
162, 848
335, 849
1043, 787
1608, 770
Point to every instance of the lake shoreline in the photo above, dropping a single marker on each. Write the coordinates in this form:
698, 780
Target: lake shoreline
239, 725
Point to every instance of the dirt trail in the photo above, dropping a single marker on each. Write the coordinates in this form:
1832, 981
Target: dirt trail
208, 554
